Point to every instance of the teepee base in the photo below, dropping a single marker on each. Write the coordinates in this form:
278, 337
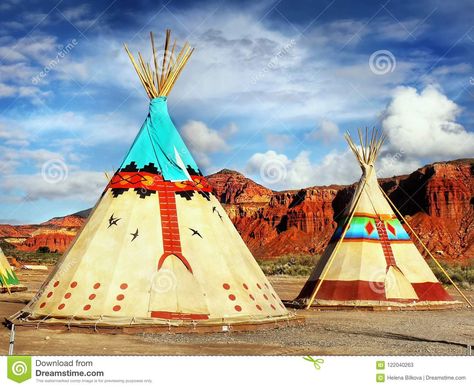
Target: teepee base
377, 307
173, 327
18, 288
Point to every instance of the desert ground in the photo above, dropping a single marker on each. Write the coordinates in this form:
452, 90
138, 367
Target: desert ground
437, 332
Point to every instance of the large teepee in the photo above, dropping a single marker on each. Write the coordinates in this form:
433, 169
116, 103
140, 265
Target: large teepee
371, 260
8, 280
158, 248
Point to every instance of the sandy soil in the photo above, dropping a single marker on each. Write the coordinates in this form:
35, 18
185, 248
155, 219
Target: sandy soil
325, 333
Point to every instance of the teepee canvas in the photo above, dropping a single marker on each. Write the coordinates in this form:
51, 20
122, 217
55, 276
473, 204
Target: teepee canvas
8, 280
158, 248
370, 259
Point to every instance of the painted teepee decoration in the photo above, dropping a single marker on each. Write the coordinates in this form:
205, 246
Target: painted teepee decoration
158, 248
8, 280
371, 260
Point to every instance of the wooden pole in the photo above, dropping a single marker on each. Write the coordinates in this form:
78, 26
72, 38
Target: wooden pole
336, 249
135, 66
426, 249
6, 283
155, 61
159, 83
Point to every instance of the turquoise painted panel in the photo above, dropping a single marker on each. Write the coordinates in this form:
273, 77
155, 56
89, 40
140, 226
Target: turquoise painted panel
158, 142
400, 232
358, 230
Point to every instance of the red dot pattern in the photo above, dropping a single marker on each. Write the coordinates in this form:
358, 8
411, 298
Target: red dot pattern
61, 306
56, 284
42, 305
259, 307
87, 307
124, 286
67, 296
96, 286
92, 296
117, 308
120, 296
50, 294
73, 284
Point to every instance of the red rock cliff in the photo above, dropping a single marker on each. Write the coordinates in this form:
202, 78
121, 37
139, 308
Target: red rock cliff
438, 199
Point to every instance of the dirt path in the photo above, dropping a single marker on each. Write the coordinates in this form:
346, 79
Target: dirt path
328, 332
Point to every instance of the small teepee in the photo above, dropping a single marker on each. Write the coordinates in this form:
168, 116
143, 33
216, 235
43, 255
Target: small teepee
158, 248
8, 280
371, 261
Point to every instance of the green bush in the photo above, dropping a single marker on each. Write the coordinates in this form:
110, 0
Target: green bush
30, 257
462, 275
289, 265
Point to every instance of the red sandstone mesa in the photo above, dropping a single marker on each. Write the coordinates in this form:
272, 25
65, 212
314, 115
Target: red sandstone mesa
438, 200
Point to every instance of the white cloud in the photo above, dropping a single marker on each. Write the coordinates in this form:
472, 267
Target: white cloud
327, 131
280, 172
77, 127
423, 125
81, 185
203, 140
6, 90
76, 13
278, 140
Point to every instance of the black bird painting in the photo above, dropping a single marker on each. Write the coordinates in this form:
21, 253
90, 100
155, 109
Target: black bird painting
135, 235
113, 220
195, 232
214, 210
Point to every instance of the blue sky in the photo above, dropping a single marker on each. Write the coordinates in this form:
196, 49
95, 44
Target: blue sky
269, 91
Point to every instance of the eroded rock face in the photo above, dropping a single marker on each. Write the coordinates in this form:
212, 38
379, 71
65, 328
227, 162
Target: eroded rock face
437, 199
54, 241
